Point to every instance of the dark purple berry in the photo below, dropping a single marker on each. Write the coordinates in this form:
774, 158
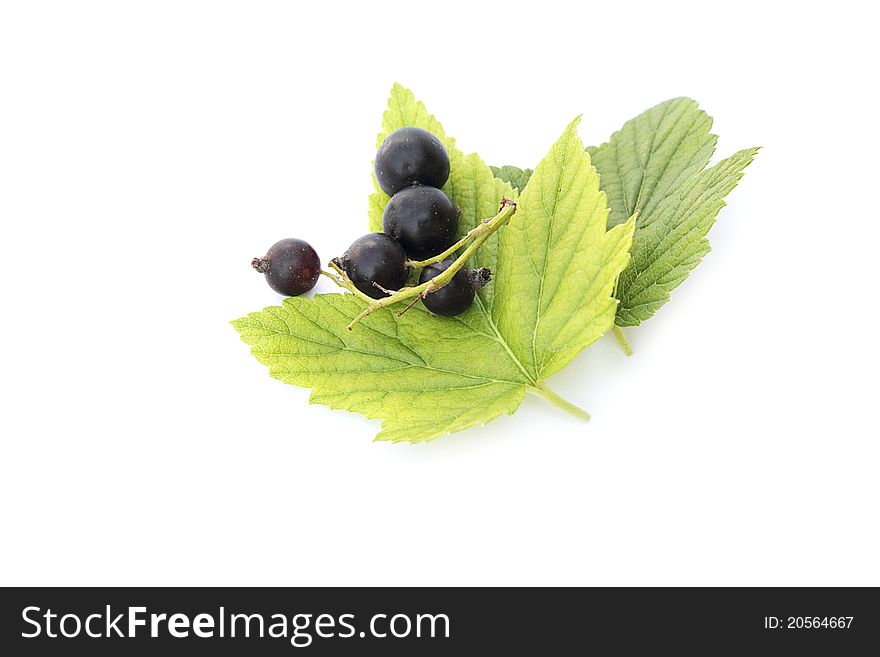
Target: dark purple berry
411, 156
291, 267
423, 220
458, 294
375, 258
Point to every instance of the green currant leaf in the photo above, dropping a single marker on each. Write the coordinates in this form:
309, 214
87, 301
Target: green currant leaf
513, 175
654, 166
671, 239
557, 265
427, 376
651, 155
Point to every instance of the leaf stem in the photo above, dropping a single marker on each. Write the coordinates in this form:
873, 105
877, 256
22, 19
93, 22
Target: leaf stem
543, 390
621, 340
479, 235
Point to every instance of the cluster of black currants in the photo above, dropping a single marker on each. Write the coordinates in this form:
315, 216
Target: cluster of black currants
420, 222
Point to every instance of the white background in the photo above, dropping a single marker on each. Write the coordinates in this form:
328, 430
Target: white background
149, 150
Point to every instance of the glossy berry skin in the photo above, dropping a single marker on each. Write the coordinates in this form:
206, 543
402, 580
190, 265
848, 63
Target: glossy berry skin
458, 294
375, 257
291, 267
423, 219
411, 156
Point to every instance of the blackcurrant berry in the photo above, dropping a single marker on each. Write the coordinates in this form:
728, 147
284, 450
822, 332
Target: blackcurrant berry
291, 267
411, 156
423, 219
375, 258
458, 294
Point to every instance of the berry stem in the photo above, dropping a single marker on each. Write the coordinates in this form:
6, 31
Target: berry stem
479, 278
621, 340
543, 390
343, 281
333, 277
479, 235
483, 227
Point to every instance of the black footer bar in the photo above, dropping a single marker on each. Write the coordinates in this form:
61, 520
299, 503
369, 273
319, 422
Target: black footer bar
437, 621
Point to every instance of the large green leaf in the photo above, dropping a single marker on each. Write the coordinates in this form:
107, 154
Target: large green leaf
654, 167
557, 264
427, 376
423, 375
651, 155
671, 240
